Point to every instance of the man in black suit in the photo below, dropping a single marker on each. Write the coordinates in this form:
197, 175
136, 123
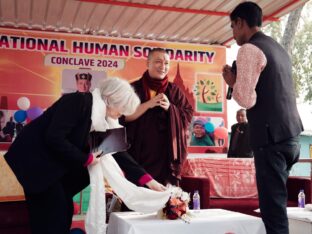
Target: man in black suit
263, 85
239, 143
50, 155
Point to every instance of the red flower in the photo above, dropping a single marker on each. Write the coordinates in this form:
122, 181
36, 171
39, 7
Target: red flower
175, 208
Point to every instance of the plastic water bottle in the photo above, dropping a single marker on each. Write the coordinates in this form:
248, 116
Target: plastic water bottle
196, 201
301, 199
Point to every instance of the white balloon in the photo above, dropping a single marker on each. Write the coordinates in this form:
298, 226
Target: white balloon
23, 103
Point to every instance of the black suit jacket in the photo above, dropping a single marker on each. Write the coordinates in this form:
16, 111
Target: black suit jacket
239, 144
56, 143
53, 144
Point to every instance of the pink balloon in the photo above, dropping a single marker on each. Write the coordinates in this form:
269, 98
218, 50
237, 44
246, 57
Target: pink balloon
220, 133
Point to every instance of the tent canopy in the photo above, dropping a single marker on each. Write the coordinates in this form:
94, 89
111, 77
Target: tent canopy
189, 21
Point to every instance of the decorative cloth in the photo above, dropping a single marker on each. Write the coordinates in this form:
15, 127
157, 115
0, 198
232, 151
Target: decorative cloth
229, 177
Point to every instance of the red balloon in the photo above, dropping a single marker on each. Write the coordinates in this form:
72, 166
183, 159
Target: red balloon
220, 133
76, 208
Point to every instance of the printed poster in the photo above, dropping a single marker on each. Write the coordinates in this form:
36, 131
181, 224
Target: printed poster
38, 67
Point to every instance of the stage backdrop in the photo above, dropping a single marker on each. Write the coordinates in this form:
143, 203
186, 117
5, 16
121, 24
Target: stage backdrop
37, 67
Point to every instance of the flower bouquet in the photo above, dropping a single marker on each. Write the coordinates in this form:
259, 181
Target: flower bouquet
177, 206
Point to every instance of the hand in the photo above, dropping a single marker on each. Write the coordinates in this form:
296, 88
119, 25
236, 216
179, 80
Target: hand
228, 76
154, 185
164, 102
96, 157
155, 101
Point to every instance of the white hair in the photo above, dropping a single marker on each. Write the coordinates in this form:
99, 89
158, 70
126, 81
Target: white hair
118, 93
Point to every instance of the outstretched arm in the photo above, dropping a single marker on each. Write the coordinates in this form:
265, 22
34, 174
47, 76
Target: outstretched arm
135, 173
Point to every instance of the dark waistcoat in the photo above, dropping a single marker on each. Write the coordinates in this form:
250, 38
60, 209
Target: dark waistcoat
274, 117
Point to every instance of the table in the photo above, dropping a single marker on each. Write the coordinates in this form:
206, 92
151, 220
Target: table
229, 177
300, 220
215, 221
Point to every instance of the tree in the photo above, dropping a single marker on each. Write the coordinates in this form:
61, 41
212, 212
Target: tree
302, 61
207, 91
297, 41
274, 29
290, 30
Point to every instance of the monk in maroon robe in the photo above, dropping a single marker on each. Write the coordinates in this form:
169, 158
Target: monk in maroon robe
157, 130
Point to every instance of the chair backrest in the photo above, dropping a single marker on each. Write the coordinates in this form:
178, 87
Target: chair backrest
295, 183
191, 183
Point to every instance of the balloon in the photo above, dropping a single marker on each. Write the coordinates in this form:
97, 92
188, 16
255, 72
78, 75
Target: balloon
23, 103
34, 112
76, 208
209, 127
20, 116
221, 133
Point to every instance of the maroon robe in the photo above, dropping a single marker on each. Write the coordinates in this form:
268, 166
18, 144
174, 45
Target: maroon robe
158, 137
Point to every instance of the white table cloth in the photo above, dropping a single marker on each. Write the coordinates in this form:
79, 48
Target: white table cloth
300, 220
213, 221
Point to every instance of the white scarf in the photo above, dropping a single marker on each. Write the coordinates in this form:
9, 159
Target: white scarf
136, 198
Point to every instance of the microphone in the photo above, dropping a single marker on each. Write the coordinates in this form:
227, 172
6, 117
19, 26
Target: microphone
230, 90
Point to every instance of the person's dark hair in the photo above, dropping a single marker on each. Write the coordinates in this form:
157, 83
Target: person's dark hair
156, 50
1, 114
250, 12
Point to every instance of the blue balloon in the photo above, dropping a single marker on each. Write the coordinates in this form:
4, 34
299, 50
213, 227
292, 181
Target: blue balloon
20, 116
209, 127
